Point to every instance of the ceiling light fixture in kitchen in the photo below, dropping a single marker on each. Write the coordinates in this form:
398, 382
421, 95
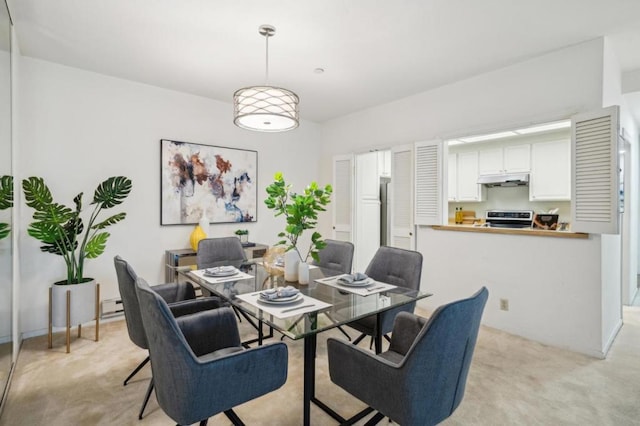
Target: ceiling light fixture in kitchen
265, 108
480, 138
544, 127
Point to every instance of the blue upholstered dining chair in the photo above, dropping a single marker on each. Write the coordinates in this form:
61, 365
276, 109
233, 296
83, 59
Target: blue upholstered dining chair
396, 266
199, 366
181, 297
421, 378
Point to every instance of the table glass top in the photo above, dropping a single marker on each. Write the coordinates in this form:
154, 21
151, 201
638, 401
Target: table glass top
343, 306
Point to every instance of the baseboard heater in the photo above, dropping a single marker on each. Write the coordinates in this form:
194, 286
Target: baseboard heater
112, 308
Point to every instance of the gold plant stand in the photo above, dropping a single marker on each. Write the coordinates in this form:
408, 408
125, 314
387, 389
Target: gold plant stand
68, 311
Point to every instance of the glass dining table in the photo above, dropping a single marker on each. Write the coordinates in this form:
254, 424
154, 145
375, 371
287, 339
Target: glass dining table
322, 304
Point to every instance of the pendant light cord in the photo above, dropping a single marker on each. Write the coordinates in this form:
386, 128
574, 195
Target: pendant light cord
266, 74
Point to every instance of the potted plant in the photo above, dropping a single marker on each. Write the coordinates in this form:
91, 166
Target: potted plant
243, 235
301, 213
63, 232
6, 202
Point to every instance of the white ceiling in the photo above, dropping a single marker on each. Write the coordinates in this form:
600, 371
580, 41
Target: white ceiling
373, 51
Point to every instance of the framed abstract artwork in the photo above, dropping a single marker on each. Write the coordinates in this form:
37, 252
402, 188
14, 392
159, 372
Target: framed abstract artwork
217, 181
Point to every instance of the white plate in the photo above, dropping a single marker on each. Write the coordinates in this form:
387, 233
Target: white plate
362, 283
221, 273
281, 300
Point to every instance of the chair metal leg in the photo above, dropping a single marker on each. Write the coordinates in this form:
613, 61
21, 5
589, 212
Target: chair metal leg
135, 371
204, 422
375, 419
344, 332
237, 313
146, 399
234, 418
359, 339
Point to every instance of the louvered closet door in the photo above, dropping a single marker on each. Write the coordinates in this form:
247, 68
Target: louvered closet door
594, 167
401, 198
343, 197
429, 173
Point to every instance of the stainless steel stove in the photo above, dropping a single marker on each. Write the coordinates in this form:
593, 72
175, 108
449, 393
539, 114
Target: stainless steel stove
509, 218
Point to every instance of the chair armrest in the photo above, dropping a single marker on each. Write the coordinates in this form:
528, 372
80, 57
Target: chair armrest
175, 292
363, 374
405, 330
211, 330
246, 375
188, 307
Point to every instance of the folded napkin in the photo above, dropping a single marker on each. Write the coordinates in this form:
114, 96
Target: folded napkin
219, 270
351, 278
279, 293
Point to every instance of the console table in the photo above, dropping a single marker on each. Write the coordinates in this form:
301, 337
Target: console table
186, 257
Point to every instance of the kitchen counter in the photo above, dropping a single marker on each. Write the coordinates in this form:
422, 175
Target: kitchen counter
511, 231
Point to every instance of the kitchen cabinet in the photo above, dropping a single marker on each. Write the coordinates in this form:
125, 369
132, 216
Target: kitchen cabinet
550, 177
467, 177
507, 159
452, 178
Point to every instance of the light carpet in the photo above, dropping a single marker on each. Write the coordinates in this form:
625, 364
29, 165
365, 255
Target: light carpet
513, 381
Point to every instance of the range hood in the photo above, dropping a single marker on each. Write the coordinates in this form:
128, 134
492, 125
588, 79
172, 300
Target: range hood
505, 179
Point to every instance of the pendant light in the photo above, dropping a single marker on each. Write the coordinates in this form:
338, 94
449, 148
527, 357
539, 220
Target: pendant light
265, 108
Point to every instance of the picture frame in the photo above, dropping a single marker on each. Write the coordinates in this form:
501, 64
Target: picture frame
198, 181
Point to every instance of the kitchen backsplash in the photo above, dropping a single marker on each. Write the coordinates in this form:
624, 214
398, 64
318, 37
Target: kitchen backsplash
513, 198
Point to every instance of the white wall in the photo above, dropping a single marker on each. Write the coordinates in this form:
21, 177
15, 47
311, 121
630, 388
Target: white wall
546, 88
78, 128
553, 86
628, 239
550, 299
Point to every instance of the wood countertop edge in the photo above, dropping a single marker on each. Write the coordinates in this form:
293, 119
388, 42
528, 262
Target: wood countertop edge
511, 231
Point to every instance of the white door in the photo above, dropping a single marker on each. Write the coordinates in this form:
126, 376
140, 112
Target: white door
401, 201
343, 173
367, 235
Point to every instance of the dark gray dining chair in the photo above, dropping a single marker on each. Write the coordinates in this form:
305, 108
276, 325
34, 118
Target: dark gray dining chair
218, 251
180, 296
199, 366
337, 255
421, 378
212, 251
400, 267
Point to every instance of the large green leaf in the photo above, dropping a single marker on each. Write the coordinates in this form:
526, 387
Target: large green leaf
6, 192
110, 221
57, 239
36, 193
112, 191
4, 230
96, 245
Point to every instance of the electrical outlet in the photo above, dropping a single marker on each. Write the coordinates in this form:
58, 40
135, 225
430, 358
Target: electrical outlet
504, 304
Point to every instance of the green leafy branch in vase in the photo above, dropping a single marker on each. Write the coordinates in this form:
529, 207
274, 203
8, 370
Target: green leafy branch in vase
301, 212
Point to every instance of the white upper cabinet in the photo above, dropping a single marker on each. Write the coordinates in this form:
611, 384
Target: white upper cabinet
508, 159
468, 188
517, 158
550, 171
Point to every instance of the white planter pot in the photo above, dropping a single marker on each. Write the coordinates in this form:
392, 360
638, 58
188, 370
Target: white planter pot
82, 307
303, 273
291, 260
